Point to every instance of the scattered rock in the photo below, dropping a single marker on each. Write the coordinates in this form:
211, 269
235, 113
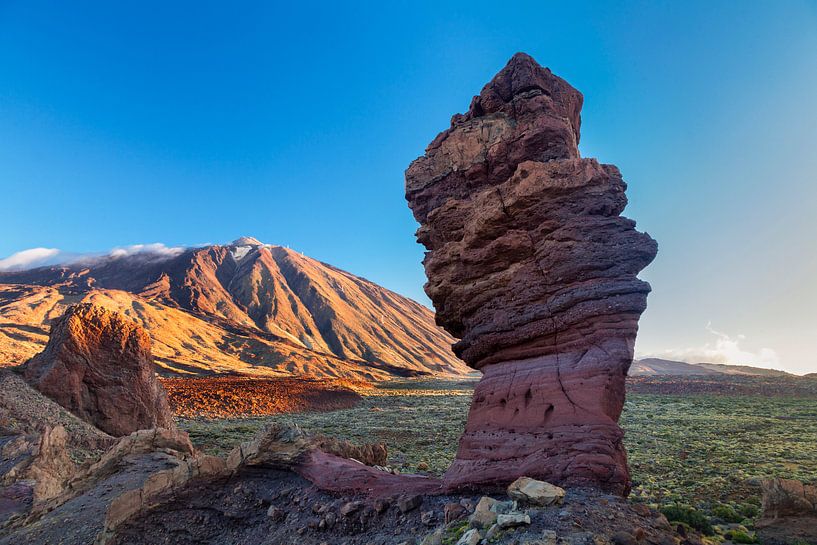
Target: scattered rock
579, 538
98, 365
329, 519
641, 509
483, 516
428, 518
493, 533
434, 538
350, 507
470, 537
380, 505
409, 502
624, 538
549, 537
453, 511
535, 492
661, 522
276, 513
511, 520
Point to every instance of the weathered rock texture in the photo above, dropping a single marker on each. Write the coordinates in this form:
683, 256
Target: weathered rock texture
98, 365
532, 266
789, 512
331, 464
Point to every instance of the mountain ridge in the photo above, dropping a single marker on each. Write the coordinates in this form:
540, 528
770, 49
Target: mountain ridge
663, 367
248, 300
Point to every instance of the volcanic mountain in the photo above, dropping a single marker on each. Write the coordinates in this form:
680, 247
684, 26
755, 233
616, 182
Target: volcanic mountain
244, 307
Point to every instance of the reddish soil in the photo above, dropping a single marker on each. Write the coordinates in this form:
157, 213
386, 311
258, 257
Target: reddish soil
235, 396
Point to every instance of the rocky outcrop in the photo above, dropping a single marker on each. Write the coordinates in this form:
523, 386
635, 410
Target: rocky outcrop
789, 511
26, 412
331, 464
41, 463
531, 265
87, 505
788, 498
282, 446
98, 365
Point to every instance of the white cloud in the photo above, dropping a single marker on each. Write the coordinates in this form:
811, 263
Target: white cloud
28, 259
38, 257
156, 248
724, 349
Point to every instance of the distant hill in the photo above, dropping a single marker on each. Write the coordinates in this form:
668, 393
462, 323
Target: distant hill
657, 366
243, 307
727, 369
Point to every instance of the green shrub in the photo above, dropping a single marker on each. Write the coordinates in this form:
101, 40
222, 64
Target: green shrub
454, 532
739, 536
690, 516
750, 511
727, 513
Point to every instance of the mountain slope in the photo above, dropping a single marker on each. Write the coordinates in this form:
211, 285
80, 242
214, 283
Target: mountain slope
658, 366
242, 307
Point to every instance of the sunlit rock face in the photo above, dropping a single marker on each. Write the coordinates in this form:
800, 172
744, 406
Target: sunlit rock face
532, 267
98, 365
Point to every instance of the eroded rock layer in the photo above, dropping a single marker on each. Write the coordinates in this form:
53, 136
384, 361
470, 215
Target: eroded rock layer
531, 265
98, 365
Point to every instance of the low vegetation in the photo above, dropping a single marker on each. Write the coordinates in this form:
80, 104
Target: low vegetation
699, 458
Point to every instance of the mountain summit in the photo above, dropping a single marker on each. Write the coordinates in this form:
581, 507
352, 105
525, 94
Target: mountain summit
247, 241
244, 307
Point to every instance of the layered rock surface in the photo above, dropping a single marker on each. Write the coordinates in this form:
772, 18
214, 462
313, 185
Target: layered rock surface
531, 265
98, 365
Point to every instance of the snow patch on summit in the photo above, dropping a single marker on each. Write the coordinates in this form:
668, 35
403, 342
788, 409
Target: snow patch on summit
240, 252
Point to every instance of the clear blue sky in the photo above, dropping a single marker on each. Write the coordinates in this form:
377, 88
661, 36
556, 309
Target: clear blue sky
126, 123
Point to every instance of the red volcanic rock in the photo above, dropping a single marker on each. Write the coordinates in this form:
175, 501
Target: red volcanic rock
789, 512
98, 365
342, 475
532, 266
331, 464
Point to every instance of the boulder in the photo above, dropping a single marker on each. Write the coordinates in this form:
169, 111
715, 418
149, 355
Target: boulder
453, 511
788, 498
98, 365
532, 266
511, 520
533, 492
484, 514
789, 512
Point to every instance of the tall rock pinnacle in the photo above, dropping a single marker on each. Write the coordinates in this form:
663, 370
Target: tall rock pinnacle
532, 267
